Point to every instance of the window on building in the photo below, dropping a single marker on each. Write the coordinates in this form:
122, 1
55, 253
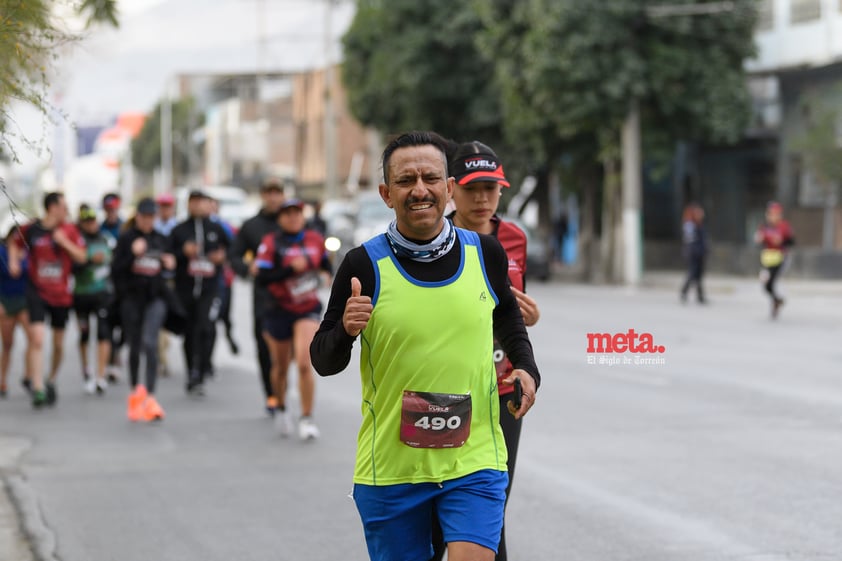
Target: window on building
766, 15
805, 10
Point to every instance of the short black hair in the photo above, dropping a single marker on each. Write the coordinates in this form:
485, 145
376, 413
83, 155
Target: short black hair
52, 198
414, 138
272, 183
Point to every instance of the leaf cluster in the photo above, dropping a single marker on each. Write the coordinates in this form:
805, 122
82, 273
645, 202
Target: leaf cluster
30, 36
555, 76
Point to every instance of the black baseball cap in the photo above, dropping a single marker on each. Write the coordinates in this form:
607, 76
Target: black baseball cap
147, 206
293, 203
197, 194
474, 161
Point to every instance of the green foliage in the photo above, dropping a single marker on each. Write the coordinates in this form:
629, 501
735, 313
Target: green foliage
821, 142
30, 35
575, 67
146, 148
414, 65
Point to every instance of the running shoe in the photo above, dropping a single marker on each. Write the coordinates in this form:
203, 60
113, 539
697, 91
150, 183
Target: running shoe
101, 385
776, 306
3, 390
52, 394
39, 398
112, 374
27, 385
283, 423
90, 385
152, 410
271, 405
307, 429
135, 408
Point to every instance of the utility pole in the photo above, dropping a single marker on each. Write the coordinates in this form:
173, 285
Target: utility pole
632, 152
166, 140
331, 187
632, 189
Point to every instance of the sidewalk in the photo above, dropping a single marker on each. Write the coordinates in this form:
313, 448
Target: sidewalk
714, 283
14, 546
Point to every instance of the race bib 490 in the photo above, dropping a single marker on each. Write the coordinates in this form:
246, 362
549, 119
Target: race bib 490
435, 420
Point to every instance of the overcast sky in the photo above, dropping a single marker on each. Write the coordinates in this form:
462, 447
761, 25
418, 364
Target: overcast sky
126, 69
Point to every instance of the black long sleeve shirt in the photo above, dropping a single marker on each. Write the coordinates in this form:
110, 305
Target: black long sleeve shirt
247, 240
127, 284
330, 350
210, 236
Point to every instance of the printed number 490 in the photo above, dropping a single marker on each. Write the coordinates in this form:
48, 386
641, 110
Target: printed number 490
438, 423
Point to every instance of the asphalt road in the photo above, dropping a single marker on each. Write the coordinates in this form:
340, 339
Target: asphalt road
729, 450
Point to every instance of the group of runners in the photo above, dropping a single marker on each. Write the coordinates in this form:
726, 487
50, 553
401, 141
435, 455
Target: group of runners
131, 283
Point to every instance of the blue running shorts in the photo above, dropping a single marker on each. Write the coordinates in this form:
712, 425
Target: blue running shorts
397, 519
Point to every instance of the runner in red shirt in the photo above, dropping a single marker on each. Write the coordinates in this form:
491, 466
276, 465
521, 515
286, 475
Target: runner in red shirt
479, 182
53, 245
775, 237
290, 264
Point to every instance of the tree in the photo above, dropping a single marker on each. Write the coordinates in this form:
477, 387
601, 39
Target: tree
572, 71
412, 65
820, 145
146, 148
30, 34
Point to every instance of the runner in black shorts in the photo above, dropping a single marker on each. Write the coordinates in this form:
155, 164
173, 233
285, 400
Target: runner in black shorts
91, 297
290, 264
53, 247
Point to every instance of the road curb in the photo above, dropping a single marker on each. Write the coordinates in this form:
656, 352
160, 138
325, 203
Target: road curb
30, 539
41, 539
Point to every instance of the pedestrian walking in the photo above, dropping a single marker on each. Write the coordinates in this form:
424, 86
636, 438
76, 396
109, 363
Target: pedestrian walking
54, 245
694, 250
775, 237
13, 312
200, 247
290, 264
242, 259
92, 296
426, 299
479, 182
140, 259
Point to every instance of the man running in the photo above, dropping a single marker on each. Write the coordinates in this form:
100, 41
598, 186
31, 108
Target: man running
199, 246
111, 226
54, 246
92, 297
242, 257
426, 298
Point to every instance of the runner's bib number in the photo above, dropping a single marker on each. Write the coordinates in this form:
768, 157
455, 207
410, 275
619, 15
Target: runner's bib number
50, 271
102, 272
303, 287
201, 267
435, 420
146, 266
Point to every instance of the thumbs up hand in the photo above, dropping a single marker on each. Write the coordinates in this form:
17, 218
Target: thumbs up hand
357, 310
